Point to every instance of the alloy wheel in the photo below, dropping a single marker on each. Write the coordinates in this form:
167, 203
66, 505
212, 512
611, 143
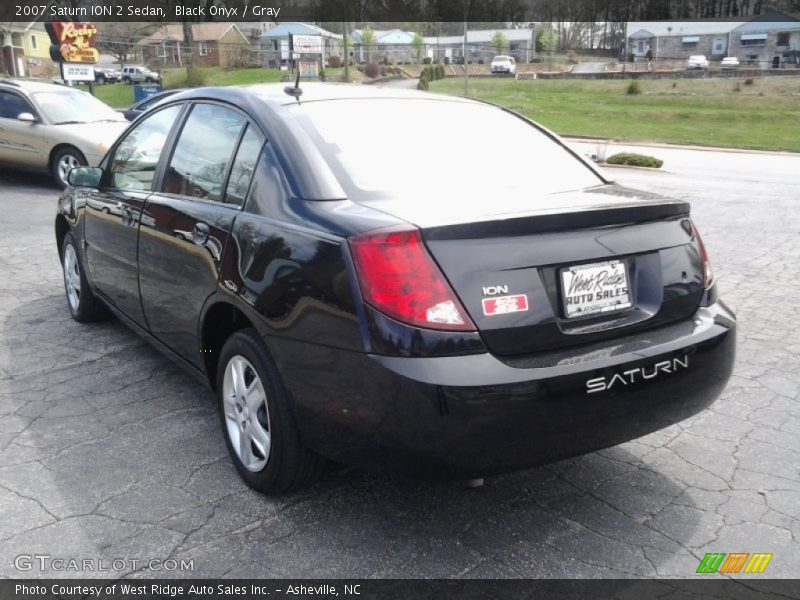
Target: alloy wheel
246, 413
65, 165
72, 277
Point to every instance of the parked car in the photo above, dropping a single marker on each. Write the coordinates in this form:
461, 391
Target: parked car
139, 74
697, 61
49, 127
103, 75
504, 64
436, 326
146, 104
730, 62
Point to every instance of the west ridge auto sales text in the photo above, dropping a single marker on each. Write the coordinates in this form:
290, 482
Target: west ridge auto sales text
180, 591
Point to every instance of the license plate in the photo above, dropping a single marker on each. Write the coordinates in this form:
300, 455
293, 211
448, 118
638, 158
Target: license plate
595, 288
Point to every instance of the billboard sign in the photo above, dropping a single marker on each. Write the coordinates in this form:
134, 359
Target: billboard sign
72, 42
307, 44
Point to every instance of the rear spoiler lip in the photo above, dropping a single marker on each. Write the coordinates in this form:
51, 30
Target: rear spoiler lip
563, 219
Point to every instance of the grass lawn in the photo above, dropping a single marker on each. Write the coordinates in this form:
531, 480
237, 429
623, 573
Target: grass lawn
119, 95
763, 115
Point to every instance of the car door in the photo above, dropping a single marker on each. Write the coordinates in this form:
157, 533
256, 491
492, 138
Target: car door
113, 213
20, 141
181, 246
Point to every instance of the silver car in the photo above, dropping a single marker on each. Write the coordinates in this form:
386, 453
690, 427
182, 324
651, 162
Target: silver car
54, 128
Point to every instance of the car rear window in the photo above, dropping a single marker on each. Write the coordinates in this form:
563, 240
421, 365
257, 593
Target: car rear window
449, 151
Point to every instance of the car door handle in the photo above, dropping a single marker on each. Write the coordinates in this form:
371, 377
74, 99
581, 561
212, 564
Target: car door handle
200, 233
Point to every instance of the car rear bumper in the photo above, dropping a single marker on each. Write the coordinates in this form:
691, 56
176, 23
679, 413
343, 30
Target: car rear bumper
469, 416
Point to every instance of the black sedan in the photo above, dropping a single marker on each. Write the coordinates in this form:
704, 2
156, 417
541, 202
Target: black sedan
146, 104
360, 279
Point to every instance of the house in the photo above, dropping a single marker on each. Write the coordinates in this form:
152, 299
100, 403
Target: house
213, 45
274, 43
25, 50
769, 41
521, 45
680, 39
766, 41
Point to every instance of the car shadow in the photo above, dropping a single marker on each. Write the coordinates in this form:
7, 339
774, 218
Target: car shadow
109, 449
27, 179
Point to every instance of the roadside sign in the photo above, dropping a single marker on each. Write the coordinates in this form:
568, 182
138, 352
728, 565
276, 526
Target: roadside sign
307, 44
308, 69
77, 72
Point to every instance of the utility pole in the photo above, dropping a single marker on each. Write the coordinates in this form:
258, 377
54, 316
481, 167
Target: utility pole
466, 62
346, 53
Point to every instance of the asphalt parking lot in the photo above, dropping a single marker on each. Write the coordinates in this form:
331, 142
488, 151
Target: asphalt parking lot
108, 451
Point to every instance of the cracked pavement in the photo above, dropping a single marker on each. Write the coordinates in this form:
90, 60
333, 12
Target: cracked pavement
108, 450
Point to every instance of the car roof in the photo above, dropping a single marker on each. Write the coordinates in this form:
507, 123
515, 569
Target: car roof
33, 86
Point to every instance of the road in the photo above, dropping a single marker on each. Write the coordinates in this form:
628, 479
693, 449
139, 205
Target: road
108, 450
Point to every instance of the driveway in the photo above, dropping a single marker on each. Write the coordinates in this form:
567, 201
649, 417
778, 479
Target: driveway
108, 450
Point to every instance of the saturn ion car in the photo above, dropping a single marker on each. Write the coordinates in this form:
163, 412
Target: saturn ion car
53, 128
377, 297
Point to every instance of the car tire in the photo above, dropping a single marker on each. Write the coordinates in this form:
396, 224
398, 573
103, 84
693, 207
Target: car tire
257, 422
83, 305
101, 80
65, 159
126, 80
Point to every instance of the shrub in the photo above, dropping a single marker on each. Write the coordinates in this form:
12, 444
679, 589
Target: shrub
635, 160
427, 60
372, 70
360, 68
572, 58
334, 62
447, 60
633, 88
480, 61
423, 80
383, 71
748, 81
536, 59
441, 72
631, 57
649, 55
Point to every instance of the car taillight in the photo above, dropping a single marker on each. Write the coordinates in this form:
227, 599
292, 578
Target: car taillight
708, 275
398, 277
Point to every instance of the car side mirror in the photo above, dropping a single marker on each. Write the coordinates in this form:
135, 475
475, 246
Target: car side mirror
85, 177
26, 117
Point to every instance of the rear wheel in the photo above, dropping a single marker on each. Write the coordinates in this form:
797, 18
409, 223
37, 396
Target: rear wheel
126, 80
64, 161
83, 304
259, 430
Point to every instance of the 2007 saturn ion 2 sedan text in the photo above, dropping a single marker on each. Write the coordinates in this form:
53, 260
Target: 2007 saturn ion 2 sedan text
358, 281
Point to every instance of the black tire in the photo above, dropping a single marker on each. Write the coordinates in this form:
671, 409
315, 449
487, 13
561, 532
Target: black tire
126, 80
289, 465
101, 80
88, 307
68, 155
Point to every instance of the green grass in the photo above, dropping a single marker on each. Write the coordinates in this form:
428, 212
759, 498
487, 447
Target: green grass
763, 115
119, 95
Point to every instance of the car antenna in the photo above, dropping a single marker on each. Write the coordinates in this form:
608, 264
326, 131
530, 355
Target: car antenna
294, 91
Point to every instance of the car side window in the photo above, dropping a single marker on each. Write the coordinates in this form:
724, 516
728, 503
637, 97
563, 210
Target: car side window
203, 152
243, 166
136, 156
12, 105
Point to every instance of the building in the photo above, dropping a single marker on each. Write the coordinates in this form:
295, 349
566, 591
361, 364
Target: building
213, 45
770, 40
275, 47
25, 50
521, 45
395, 45
680, 39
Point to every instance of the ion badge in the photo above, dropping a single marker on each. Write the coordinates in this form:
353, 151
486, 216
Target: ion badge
505, 304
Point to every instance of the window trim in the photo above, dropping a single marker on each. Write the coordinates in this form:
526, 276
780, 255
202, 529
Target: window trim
261, 151
202, 48
169, 147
